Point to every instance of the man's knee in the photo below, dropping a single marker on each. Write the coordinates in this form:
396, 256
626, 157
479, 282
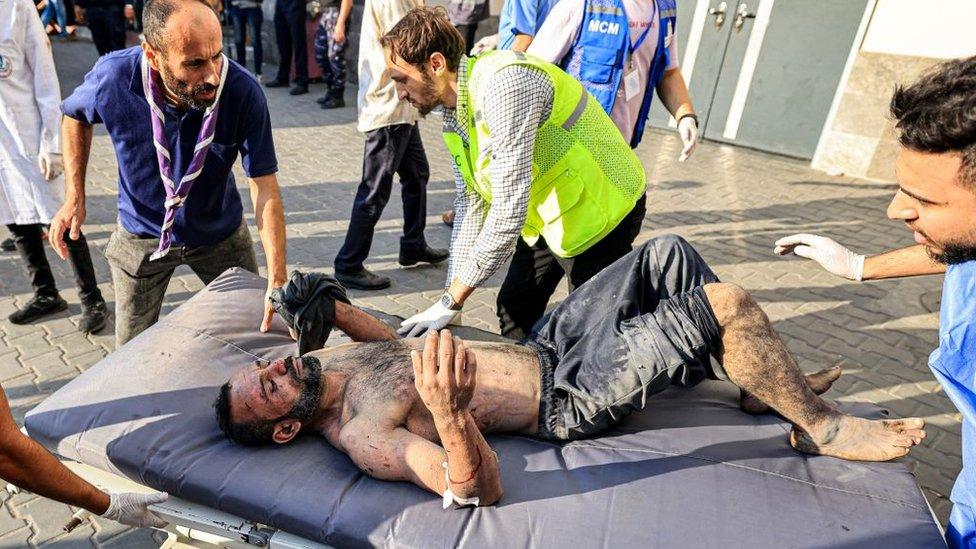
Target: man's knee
669, 244
729, 302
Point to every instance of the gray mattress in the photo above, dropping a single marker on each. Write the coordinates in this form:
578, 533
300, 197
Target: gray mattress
689, 471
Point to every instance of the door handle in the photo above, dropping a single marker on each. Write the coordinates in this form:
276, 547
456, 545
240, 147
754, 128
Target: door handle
741, 14
719, 14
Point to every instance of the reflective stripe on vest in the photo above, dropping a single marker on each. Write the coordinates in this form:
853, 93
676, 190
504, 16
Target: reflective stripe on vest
586, 178
600, 51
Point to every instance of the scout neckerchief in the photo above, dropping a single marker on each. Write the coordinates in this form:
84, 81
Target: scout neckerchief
176, 194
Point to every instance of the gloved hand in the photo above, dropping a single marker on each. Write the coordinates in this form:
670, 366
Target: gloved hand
131, 508
487, 43
688, 130
50, 164
829, 254
434, 318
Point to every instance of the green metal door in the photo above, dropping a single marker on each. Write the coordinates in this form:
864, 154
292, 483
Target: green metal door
767, 76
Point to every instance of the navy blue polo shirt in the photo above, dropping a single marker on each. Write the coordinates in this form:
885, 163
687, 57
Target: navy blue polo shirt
112, 94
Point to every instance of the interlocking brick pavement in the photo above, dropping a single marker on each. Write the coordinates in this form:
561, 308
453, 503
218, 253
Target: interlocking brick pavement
732, 203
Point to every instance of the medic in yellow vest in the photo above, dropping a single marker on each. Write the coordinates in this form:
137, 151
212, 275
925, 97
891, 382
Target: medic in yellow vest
578, 203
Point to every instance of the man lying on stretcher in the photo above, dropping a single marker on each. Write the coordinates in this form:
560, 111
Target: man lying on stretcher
417, 409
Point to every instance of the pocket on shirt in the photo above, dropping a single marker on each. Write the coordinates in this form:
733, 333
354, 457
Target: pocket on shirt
221, 155
597, 64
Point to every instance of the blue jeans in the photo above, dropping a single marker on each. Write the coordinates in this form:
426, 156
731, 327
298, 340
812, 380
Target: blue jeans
55, 10
252, 17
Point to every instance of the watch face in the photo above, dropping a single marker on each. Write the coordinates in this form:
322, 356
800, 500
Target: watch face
447, 301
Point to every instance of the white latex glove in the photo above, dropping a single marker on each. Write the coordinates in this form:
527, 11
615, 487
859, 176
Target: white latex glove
688, 130
50, 164
487, 43
434, 318
131, 508
829, 254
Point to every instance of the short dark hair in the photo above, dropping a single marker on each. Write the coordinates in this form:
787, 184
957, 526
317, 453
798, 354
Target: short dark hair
254, 433
937, 114
154, 17
421, 33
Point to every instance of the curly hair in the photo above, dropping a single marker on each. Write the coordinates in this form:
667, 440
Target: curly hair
937, 114
255, 433
422, 32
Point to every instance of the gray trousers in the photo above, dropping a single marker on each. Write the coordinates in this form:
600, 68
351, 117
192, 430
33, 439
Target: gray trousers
140, 284
640, 325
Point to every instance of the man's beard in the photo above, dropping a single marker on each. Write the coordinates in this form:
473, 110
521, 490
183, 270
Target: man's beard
311, 383
429, 91
186, 95
953, 253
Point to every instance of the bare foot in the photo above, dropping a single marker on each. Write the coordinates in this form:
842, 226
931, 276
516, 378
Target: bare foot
819, 383
859, 439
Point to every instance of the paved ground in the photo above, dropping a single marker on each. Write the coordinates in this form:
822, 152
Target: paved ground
732, 203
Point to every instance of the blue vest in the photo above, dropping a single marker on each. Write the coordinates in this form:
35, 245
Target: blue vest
602, 47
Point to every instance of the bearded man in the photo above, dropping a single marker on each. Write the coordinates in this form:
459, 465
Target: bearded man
417, 410
178, 112
936, 199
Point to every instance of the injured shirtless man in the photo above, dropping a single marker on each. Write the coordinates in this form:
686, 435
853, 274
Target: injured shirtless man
417, 409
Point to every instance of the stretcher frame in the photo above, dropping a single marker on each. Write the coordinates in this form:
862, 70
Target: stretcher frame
192, 523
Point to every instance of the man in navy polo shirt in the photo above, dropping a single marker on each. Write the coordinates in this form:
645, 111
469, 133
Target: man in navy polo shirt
178, 112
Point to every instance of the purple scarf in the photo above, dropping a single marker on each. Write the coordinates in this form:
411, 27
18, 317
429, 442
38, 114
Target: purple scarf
176, 194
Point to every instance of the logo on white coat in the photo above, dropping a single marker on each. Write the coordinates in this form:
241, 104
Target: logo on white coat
6, 66
604, 27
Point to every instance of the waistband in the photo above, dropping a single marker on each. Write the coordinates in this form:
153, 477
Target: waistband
550, 411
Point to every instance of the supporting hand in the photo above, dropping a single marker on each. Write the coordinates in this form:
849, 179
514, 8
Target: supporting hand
445, 374
688, 130
829, 254
434, 318
487, 43
269, 308
70, 216
51, 165
131, 508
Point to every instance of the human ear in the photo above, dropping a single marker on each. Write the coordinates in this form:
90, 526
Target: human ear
438, 63
286, 430
152, 55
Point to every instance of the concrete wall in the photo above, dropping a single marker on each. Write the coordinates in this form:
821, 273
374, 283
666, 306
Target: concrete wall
902, 40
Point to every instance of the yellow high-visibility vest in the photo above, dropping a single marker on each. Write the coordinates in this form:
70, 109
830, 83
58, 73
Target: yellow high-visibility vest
585, 177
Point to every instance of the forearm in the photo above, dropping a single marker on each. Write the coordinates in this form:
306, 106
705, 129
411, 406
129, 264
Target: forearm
76, 138
522, 42
26, 464
361, 326
345, 8
910, 261
471, 463
270, 217
674, 94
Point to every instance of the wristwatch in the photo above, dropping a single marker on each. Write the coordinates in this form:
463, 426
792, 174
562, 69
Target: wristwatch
447, 300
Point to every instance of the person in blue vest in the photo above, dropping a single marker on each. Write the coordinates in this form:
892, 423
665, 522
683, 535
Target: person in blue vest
936, 198
622, 51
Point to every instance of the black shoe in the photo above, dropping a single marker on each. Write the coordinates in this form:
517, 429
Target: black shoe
38, 307
93, 317
275, 84
323, 99
298, 90
363, 280
423, 255
8, 245
334, 102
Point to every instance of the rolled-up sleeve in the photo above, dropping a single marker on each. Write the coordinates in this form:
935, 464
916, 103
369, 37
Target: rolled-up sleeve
82, 104
514, 104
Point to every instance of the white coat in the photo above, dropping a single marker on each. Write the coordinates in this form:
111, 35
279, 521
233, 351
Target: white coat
30, 116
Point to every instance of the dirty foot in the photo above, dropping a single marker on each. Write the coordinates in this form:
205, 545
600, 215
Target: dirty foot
819, 383
859, 439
